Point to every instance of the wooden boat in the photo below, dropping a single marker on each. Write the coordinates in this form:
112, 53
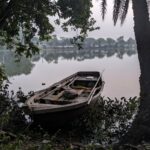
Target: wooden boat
65, 100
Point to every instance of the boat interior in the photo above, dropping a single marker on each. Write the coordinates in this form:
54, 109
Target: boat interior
70, 90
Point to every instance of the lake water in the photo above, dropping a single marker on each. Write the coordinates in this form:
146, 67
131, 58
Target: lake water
120, 72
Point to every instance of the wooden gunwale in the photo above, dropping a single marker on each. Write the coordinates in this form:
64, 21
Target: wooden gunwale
93, 91
48, 108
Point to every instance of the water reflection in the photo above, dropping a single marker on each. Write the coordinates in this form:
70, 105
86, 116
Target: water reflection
120, 66
13, 68
80, 55
25, 65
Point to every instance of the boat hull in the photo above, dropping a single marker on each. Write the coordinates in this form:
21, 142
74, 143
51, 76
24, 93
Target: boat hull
58, 119
55, 120
66, 100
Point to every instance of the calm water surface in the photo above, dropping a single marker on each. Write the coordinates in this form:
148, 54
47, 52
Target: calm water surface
121, 76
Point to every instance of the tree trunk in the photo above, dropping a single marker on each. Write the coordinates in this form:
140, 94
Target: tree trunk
140, 130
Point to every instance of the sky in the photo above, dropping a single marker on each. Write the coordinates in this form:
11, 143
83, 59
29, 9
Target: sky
107, 28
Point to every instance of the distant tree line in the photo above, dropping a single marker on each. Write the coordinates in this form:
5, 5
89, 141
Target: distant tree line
101, 43
88, 43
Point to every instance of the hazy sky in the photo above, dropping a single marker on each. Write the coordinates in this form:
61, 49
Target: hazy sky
107, 27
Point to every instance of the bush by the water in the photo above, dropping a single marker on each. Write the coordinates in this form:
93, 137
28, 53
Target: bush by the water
105, 123
108, 120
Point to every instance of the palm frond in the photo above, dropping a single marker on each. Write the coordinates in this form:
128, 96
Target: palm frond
124, 10
116, 10
103, 7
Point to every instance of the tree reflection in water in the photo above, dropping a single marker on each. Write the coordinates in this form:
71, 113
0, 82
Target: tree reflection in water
25, 65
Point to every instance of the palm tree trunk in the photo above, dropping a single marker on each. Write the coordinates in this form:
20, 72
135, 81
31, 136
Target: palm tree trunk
140, 129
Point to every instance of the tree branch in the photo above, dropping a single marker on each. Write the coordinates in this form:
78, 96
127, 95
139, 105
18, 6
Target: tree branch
6, 13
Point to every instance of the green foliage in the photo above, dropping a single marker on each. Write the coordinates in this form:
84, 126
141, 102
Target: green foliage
21, 21
3, 76
78, 14
108, 120
12, 117
26, 142
104, 123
